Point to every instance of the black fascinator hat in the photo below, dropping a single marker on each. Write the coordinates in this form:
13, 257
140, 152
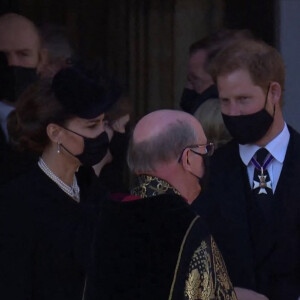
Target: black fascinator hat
81, 95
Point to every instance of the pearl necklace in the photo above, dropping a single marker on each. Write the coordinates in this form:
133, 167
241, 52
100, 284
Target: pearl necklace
73, 191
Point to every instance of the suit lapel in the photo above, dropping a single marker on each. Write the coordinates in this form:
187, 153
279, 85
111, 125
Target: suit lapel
235, 183
288, 180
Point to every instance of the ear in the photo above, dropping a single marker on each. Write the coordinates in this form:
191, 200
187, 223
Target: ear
275, 92
186, 159
119, 124
43, 60
54, 132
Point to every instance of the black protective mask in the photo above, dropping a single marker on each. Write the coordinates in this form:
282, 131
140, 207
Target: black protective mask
14, 80
203, 181
191, 100
248, 129
94, 149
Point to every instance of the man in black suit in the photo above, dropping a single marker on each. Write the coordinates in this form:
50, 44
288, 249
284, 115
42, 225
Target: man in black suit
21, 59
252, 200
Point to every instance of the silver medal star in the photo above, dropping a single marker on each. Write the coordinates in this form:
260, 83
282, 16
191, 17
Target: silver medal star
262, 184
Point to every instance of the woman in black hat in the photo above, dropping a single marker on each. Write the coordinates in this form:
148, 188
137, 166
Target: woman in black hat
48, 213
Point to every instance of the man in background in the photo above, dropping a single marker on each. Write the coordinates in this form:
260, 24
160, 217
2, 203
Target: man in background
21, 59
200, 86
58, 48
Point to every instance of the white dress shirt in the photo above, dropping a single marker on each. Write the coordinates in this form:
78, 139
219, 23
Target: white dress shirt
277, 147
5, 110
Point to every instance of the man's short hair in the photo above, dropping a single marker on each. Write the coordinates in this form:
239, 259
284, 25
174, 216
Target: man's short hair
218, 41
145, 156
263, 62
55, 40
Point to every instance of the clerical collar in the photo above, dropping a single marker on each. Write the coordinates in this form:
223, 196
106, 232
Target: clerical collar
150, 186
277, 147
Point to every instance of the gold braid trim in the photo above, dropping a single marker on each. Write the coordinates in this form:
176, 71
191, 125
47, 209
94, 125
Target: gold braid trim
224, 289
150, 186
179, 255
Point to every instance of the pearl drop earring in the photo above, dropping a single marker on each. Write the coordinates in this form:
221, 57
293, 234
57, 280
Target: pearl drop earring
58, 148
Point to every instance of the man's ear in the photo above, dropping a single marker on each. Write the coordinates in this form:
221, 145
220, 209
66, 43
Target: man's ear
275, 92
54, 132
186, 159
43, 60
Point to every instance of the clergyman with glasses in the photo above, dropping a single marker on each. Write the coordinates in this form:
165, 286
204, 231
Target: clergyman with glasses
152, 245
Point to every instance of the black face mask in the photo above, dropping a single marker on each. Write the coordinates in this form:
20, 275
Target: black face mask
94, 149
203, 181
248, 129
14, 80
191, 100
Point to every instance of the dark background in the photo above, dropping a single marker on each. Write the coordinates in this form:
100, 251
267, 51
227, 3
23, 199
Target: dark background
119, 35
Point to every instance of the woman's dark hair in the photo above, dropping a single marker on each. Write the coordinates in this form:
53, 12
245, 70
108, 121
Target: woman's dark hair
119, 109
36, 108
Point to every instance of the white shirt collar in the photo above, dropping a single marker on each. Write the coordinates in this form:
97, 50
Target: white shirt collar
5, 110
277, 147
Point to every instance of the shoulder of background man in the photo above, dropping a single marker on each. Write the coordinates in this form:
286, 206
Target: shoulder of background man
3, 141
225, 168
225, 155
220, 165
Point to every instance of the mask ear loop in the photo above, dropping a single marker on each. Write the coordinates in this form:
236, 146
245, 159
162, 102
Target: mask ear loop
60, 145
274, 108
269, 85
72, 131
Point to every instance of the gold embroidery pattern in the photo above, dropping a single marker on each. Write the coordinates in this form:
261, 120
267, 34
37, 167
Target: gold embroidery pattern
207, 278
224, 289
199, 284
150, 186
179, 255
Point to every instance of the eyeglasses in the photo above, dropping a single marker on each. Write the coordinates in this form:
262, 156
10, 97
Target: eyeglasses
209, 150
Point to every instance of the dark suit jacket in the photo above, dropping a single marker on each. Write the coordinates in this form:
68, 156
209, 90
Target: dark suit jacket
13, 163
275, 271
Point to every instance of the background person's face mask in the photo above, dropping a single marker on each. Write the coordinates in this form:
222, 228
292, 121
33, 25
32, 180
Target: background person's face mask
14, 80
